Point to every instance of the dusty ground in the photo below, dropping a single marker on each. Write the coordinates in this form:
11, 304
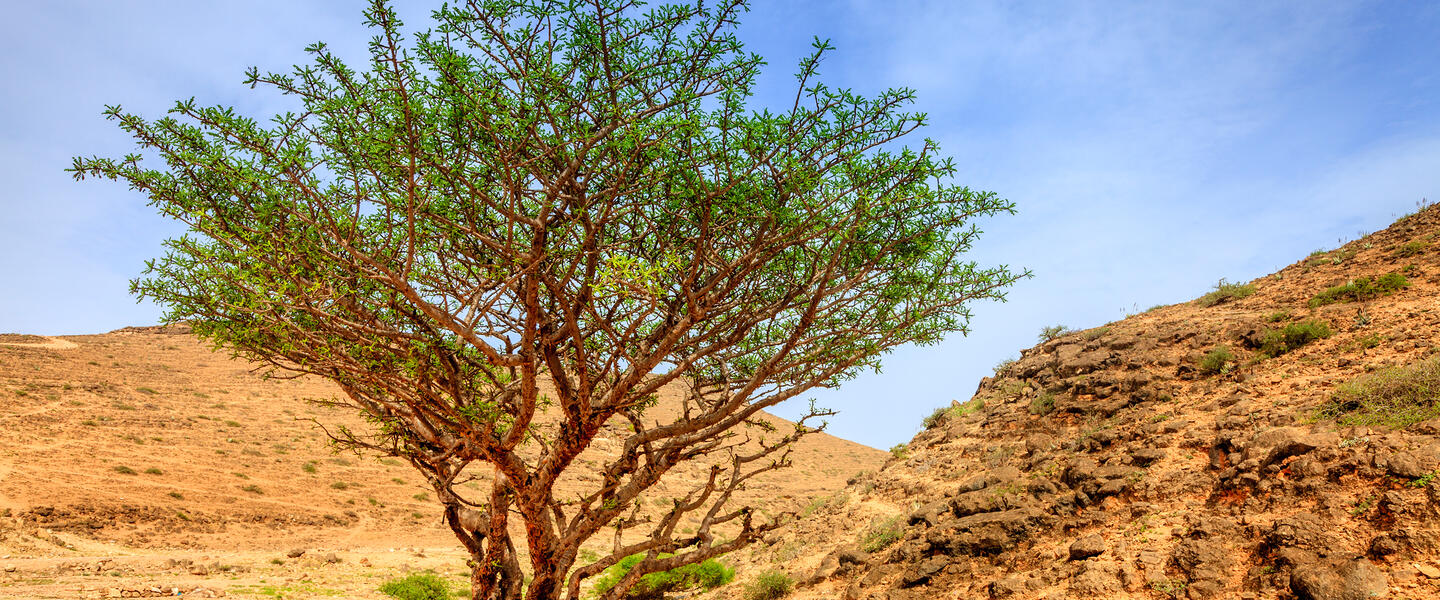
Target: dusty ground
141, 459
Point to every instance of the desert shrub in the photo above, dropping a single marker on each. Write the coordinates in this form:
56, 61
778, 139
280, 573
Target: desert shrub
1278, 316
1224, 292
124, 470
899, 451
1217, 360
1003, 366
418, 586
154, 471
1052, 332
708, 574
770, 585
1043, 404
1292, 336
1096, 333
881, 534
1362, 289
1410, 249
833, 501
1397, 397
945, 413
936, 418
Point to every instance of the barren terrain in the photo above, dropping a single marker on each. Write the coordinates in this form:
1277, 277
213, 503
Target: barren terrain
141, 462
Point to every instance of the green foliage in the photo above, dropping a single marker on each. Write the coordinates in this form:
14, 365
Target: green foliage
836, 500
1225, 292
1410, 249
900, 451
1397, 397
1292, 336
418, 586
124, 470
944, 413
1278, 316
154, 471
936, 418
1362, 289
593, 178
1218, 360
708, 574
1423, 480
1096, 333
1052, 332
1043, 404
883, 534
770, 585
1003, 366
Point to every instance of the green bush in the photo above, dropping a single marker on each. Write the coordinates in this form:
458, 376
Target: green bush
1052, 332
1360, 290
1292, 336
1410, 249
1397, 397
1043, 404
1216, 360
770, 585
882, 534
419, 586
899, 451
1225, 292
935, 418
708, 574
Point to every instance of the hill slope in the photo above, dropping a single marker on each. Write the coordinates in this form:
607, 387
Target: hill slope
142, 449
1138, 460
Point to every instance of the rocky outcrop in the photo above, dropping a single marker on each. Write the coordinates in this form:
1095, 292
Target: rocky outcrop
1109, 464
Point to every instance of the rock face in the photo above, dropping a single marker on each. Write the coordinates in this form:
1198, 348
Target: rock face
1350, 580
1109, 463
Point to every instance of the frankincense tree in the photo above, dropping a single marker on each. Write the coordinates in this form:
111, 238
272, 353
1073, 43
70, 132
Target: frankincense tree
517, 227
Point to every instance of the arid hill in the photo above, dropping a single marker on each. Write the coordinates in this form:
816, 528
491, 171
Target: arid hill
1273, 440
142, 459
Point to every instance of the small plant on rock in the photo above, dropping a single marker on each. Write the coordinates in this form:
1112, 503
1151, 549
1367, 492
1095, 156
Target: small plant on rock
1362, 289
1292, 336
1410, 249
770, 585
1397, 397
883, 534
1225, 292
1052, 332
1043, 404
1219, 360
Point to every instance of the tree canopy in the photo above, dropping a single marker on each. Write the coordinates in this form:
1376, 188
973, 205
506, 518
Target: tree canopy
504, 233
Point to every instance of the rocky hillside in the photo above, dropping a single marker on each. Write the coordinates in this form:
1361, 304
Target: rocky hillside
1273, 440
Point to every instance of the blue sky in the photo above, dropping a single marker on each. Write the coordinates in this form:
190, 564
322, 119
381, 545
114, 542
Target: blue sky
1152, 147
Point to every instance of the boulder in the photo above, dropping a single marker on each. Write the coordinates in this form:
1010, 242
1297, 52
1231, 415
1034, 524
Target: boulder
1348, 580
1086, 547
